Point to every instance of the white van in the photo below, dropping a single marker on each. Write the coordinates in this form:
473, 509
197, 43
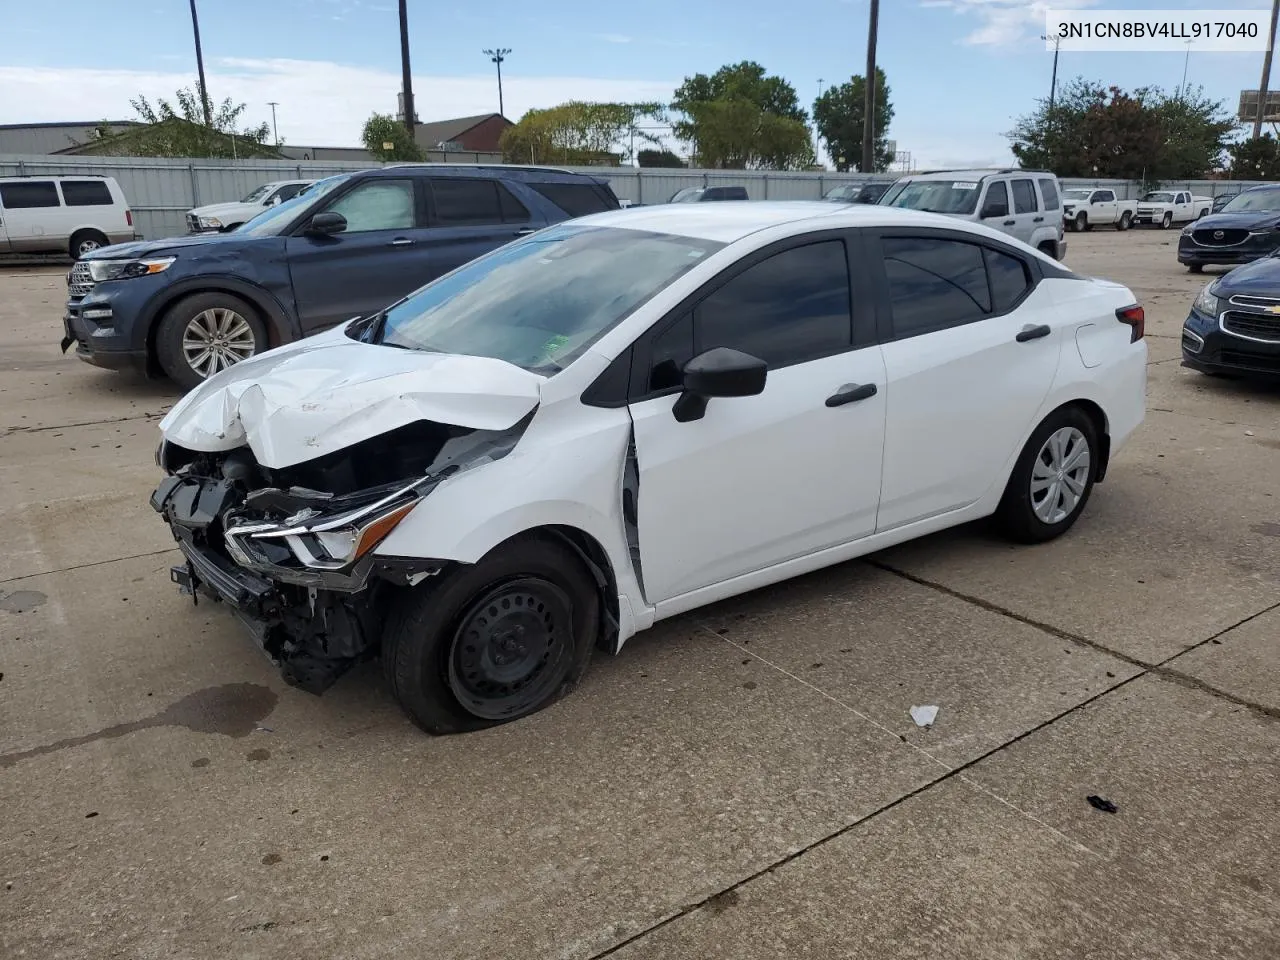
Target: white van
1026, 204
71, 215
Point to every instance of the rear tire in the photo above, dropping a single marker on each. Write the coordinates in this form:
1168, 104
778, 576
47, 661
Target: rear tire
205, 333
1081, 223
1166, 222
1052, 478
1126, 220
86, 241
494, 641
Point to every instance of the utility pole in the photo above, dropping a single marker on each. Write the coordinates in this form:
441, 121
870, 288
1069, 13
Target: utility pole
204, 90
1266, 71
816, 145
1182, 90
1053, 84
406, 79
497, 56
869, 107
274, 131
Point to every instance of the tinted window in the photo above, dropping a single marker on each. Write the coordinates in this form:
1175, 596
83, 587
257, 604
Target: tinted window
934, 284
377, 205
575, 199
85, 193
513, 211
36, 193
289, 191
1024, 196
669, 351
1009, 279
1104, 196
997, 202
1049, 193
461, 202
791, 307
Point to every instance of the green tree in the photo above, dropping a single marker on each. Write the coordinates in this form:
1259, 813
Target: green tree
579, 132
838, 115
382, 129
658, 158
740, 118
1105, 132
178, 130
1257, 158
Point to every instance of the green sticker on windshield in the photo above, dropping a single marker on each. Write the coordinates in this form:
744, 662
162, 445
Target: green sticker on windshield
554, 344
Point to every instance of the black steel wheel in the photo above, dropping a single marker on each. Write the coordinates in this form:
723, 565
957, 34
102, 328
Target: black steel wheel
495, 640
509, 648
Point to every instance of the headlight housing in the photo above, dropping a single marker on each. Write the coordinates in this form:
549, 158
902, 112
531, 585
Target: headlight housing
101, 270
210, 223
1207, 303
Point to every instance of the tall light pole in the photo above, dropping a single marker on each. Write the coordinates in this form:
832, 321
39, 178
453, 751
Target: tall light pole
1053, 84
1266, 71
869, 106
204, 90
406, 78
816, 144
1185, 63
497, 56
274, 131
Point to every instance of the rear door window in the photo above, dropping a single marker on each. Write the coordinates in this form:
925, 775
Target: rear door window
1024, 196
85, 193
29, 193
934, 284
462, 203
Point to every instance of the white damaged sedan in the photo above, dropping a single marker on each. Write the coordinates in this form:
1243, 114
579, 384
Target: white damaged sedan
631, 415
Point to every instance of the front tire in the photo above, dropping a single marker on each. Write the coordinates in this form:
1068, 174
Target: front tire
1196, 267
1166, 222
204, 334
494, 641
1052, 478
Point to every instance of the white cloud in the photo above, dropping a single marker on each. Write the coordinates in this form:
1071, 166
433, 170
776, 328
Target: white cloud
1006, 22
321, 103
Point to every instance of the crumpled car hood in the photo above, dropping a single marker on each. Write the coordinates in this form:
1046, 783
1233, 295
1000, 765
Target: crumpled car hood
325, 393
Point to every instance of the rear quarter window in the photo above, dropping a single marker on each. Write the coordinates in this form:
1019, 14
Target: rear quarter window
1049, 194
85, 193
575, 199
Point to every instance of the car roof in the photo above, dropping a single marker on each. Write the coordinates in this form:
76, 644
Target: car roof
731, 220
975, 173
497, 171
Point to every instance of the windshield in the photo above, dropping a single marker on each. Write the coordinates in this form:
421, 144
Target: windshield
1076, 194
275, 219
687, 194
1159, 197
258, 194
538, 303
936, 196
1254, 200
842, 193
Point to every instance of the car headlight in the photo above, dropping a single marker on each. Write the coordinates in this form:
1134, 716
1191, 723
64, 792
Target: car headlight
101, 270
210, 223
1188, 229
1207, 303
324, 542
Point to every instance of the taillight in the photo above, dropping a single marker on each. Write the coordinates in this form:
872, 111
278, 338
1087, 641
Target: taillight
128, 218
1136, 318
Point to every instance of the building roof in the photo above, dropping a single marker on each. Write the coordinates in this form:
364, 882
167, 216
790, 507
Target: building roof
441, 131
68, 123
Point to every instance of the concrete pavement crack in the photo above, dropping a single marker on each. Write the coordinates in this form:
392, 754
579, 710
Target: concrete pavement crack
85, 423
85, 566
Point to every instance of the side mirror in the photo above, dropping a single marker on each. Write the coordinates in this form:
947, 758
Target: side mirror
327, 224
718, 372
995, 208
274, 200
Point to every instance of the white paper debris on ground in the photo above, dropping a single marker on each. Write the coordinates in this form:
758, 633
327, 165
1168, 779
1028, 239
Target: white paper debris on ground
924, 716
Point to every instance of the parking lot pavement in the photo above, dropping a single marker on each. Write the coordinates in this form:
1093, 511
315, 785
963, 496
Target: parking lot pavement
743, 782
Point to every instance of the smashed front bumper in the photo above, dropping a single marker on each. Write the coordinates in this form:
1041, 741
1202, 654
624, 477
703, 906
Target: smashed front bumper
313, 622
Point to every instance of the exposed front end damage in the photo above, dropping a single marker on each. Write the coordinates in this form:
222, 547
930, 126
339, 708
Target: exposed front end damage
292, 551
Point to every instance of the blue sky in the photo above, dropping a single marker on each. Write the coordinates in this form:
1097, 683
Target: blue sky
960, 70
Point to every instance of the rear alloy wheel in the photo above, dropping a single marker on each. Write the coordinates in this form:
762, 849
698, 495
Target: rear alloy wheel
1166, 222
1052, 479
86, 241
493, 641
205, 334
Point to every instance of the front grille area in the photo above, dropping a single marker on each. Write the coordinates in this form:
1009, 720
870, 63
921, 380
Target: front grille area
79, 281
193, 223
1207, 237
1260, 326
1250, 360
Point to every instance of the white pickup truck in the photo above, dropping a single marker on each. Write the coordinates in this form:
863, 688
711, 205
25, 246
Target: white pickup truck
1084, 208
1167, 207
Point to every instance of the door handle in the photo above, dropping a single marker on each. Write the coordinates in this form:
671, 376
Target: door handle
851, 393
401, 242
1038, 220
525, 232
1030, 332
1010, 223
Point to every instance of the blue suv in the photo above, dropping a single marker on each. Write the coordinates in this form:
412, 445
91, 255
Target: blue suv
350, 245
